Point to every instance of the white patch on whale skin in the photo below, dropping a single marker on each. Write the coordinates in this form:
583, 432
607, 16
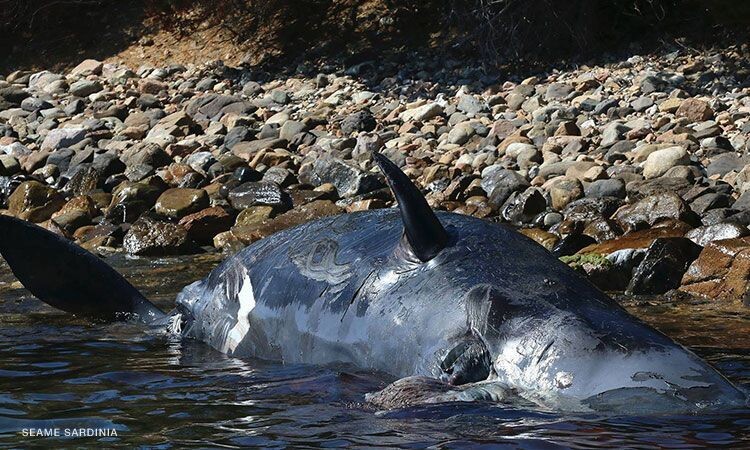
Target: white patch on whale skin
175, 324
237, 333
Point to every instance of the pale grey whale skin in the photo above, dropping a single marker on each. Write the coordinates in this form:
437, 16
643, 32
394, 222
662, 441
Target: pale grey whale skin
343, 289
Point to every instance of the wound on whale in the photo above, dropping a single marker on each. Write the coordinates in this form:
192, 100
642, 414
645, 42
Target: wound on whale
455, 308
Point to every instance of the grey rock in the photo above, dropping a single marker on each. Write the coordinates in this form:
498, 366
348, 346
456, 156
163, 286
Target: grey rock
259, 193
709, 233
348, 179
499, 183
358, 121
614, 187
84, 88
63, 137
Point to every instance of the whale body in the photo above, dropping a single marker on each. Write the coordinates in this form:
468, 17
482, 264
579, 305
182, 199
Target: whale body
419, 295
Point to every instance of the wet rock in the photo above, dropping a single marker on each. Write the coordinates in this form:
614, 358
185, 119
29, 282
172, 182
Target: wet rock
203, 225
71, 220
707, 234
544, 238
311, 211
348, 179
586, 209
150, 237
602, 272
523, 207
255, 216
602, 229
640, 239
130, 199
34, 202
663, 265
81, 203
179, 202
259, 193
721, 272
572, 244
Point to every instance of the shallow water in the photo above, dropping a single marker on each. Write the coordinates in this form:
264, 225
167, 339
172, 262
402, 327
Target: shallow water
60, 373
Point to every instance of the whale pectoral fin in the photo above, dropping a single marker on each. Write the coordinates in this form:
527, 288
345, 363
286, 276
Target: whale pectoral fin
423, 231
468, 362
68, 277
418, 390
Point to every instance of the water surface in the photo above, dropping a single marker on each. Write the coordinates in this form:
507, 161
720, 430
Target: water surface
58, 372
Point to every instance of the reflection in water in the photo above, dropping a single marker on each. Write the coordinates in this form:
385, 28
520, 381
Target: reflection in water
60, 372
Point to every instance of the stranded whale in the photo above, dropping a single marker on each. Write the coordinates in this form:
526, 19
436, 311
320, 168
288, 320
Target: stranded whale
437, 299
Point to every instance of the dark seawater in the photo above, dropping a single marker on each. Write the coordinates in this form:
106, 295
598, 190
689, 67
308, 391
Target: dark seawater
57, 372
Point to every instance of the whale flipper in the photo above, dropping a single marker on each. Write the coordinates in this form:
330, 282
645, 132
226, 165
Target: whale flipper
68, 277
422, 229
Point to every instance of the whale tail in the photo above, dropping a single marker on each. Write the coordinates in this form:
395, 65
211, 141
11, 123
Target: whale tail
68, 277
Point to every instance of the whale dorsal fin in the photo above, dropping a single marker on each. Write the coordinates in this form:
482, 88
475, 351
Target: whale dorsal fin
423, 231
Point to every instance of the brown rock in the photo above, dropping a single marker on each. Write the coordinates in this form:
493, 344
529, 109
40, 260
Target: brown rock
228, 242
150, 86
255, 215
544, 238
366, 205
305, 213
34, 201
653, 209
71, 220
34, 160
204, 225
637, 239
564, 190
695, 110
179, 202
151, 237
722, 271
81, 203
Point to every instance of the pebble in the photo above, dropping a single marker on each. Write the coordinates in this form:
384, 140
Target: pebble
628, 156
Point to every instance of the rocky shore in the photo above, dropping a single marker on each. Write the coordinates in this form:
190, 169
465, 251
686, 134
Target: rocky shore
635, 172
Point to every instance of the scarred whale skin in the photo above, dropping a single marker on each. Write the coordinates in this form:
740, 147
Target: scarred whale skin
345, 289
